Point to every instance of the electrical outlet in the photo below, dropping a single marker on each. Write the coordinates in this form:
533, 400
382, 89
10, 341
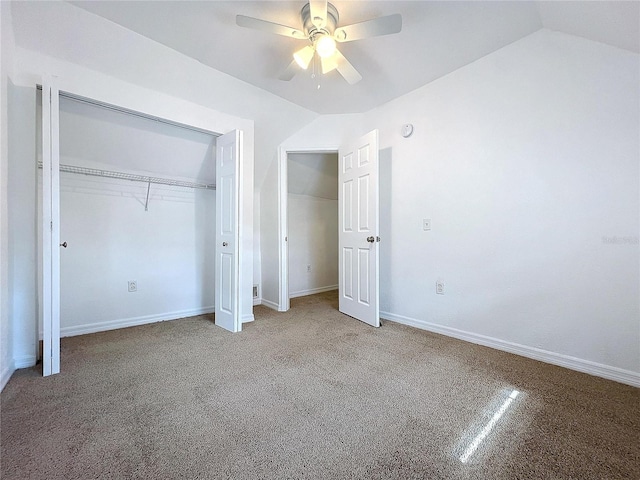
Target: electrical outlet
133, 286
440, 287
308, 268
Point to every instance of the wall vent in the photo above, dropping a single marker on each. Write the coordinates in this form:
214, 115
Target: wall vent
255, 291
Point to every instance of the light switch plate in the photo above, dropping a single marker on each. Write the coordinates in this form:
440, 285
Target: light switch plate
426, 224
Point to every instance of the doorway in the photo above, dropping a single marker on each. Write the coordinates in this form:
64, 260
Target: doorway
358, 227
312, 212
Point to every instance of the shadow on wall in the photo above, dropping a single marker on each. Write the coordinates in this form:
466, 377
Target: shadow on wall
23, 131
205, 221
386, 199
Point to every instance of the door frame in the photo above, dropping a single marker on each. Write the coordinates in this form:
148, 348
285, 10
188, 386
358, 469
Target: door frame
283, 218
48, 271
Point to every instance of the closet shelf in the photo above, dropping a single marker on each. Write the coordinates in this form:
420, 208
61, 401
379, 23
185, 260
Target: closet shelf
134, 178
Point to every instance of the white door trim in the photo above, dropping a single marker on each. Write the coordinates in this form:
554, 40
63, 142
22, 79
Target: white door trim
283, 231
283, 222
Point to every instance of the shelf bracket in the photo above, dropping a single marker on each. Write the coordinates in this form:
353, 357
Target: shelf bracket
146, 203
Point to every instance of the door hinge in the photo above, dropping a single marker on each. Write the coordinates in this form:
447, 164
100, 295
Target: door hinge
51, 226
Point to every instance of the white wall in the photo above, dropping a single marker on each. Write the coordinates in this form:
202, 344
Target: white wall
527, 163
7, 364
325, 133
313, 241
116, 140
22, 254
111, 239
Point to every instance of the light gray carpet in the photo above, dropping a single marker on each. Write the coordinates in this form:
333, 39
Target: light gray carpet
309, 394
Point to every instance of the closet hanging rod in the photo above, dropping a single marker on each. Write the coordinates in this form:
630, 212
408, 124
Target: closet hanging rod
133, 113
93, 172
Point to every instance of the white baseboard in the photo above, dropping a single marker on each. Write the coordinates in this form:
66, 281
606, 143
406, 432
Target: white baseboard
312, 291
257, 301
130, 322
270, 304
248, 318
25, 361
585, 366
7, 371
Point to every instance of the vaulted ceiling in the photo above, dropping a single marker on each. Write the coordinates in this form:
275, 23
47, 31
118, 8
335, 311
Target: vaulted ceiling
436, 39
313, 175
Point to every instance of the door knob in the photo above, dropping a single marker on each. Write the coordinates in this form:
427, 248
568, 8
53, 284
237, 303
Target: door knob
224, 244
371, 239
64, 244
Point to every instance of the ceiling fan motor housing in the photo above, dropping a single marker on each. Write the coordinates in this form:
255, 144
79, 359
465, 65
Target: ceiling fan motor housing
310, 30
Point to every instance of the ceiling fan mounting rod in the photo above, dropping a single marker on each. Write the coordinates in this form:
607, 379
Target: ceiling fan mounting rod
310, 30
316, 34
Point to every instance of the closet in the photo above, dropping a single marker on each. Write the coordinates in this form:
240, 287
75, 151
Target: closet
312, 209
137, 215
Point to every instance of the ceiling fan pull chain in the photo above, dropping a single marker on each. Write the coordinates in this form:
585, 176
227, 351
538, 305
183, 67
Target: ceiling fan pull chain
316, 60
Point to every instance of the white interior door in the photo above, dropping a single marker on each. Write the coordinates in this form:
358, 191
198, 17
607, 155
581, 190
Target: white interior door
358, 217
50, 228
228, 162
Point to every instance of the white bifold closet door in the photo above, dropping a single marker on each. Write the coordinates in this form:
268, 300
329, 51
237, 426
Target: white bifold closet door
50, 228
228, 164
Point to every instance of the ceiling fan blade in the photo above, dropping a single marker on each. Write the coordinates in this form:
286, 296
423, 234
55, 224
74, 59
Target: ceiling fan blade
370, 28
304, 56
289, 72
257, 24
318, 12
347, 70
328, 64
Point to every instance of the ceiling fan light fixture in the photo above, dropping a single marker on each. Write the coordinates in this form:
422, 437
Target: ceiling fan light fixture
325, 46
303, 56
328, 64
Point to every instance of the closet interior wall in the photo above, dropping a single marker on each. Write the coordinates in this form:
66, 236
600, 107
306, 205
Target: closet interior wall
137, 251
312, 205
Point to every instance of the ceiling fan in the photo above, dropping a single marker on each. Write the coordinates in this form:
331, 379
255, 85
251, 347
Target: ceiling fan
320, 29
